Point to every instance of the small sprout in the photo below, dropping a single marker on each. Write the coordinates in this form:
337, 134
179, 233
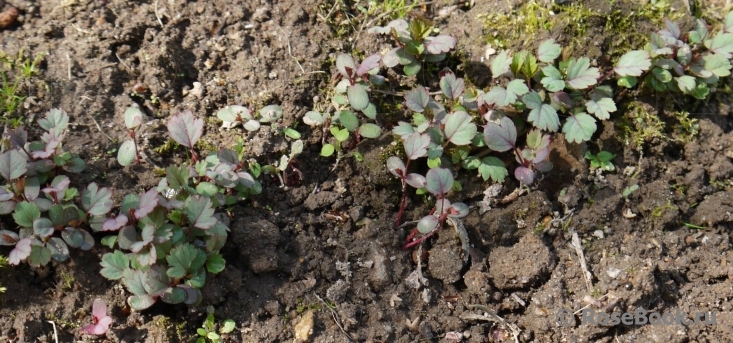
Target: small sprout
601, 161
100, 320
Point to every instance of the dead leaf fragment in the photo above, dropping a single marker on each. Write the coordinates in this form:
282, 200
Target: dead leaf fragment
304, 328
394, 299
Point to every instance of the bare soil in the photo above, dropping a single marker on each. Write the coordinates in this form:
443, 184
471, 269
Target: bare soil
284, 255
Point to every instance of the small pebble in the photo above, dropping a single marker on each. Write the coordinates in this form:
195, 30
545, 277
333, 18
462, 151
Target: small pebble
599, 234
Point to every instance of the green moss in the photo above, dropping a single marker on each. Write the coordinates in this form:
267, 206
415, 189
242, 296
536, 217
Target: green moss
168, 146
659, 211
205, 147
639, 125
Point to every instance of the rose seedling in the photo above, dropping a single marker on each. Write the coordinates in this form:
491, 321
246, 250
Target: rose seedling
100, 320
128, 150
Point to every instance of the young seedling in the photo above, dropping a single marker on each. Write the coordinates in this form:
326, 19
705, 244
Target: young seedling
129, 150
208, 331
602, 160
186, 130
288, 162
100, 320
234, 115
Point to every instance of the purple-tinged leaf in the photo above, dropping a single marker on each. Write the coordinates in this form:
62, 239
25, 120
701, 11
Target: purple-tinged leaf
4, 195
56, 120
114, 224
12, 165
536, 140
427, 224
544, 117
96, 201
459, 129
368, 64
524, 175
633, 63
58, 248
500, 136
673, 30
147, 203
500, 64
403, 129
21, 251
458, 210
58, 187
562, 99
416, 180
17, 137
602, 107
344, 61
548, 51
440, 44
396, 166
416, 145
100, 320
441, 206
417, 98
47, 151
126, 153
133, 117
186, 129
146, 236
541, 155
439, 181
580, 75
391, 58
8, 238
42, 227
200, 213
451, 86
140, 302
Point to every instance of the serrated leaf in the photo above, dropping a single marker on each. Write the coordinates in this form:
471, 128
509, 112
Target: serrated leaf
532, 100
56, 119
548, 51
21, 251
500, 136
552, 81
182, 260
439, 181
349, 120
451, 86
200, 213
114, 265
12, 165
96, 201
579, 127
580, 75
147, 203
40, 256
493, 168
416, 145
701, 91
417, 98
721, 44
133, 117
686, 84
544, 117
370, 130
717, 64
358, 97
215, 263
126, 153
728, 26
500, 64
185, 129
25, 213
633, 63
440, 44
601, 108
459, 129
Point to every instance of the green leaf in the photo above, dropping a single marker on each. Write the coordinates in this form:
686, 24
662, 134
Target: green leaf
133, 117
544, 117
349, 120
439, 181
459, 129
494, 168
140, 302
500, 64
548, 51
579, 127
181, 260
215, 263
40, 256
43, 227
114, 264
270, 113
633, 63
199, 212
173, 295
721, 44
207, 189
291, 133
96, 201
500, 136
701, 91
580, 75
228, 326
601, 108
25, 213
327, 150
662, 75
412, 68
627, 81
552, 81
358, 97
59, 250
126, 153
686, 84
370, 111
370, 130
109, 241
717, 64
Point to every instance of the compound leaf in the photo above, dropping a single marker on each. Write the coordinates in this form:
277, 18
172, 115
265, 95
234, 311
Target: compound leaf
544, 117
440, 44
182, 260
548, 51
601, 108
12, 165
25, 213
500, 136
580, 75
200, 213
186, 129
579, 127
114, 265
96, 201
459, 129
417, 98
500, 64
552, 81
721, 44
633, 63
451, 86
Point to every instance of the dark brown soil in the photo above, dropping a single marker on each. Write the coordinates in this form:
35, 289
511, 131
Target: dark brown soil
284, 256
